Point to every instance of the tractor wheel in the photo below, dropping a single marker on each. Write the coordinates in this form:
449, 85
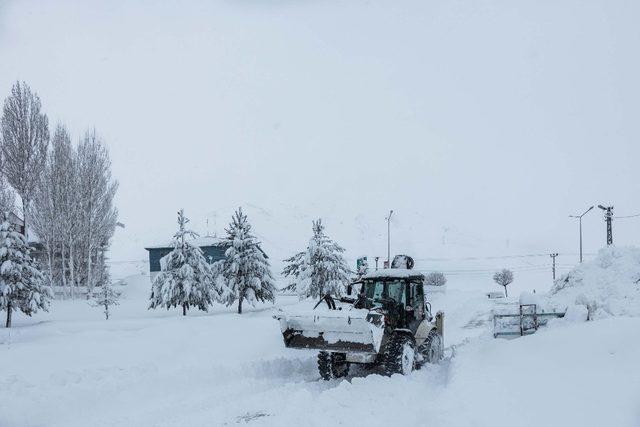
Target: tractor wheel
332, 365
400, 355
432, 350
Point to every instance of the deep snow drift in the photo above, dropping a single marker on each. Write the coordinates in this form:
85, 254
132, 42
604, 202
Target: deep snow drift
608, 285
157, 368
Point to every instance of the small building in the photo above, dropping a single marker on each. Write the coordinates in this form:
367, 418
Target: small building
213, 248
17, 222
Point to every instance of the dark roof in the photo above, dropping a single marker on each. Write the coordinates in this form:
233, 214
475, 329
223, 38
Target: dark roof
201, 242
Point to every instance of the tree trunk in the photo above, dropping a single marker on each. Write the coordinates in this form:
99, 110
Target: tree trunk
71, 270
24, 215
89, 278
240, 304
64, 273
184, 309
9, 310
505, 292
50, 264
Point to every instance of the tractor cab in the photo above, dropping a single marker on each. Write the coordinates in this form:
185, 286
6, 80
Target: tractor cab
396, 293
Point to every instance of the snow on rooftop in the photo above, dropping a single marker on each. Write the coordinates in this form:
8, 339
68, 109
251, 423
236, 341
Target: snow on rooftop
395, 273
199, 242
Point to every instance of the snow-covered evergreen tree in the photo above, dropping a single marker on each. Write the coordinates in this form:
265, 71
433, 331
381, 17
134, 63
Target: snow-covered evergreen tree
245, 273
319, 270
22, 285
186, 278
105, 298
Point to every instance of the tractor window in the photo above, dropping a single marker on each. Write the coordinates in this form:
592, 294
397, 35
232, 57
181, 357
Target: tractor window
374, 290
380, 292
396, 291
417, 299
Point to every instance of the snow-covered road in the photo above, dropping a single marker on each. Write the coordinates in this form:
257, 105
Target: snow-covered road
70, 367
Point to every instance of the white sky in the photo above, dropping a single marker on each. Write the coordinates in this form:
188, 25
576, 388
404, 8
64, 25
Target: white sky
496, 118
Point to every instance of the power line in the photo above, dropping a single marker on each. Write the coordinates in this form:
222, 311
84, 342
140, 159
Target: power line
627, 216
497, 257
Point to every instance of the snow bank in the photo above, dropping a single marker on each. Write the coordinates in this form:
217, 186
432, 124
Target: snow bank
158, 368
609, 285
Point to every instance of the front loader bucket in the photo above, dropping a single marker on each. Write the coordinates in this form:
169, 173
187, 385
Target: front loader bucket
353, 331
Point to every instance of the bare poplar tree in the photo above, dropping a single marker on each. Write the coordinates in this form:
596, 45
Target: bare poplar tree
66, 166
96, 189
25, 137
65, 194
49, 209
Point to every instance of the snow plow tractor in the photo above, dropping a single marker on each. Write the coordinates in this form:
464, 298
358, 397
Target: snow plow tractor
387, 324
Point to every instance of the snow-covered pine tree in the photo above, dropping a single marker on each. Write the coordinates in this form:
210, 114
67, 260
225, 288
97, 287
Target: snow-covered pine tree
244, 274
22, 285
186, 278
106, 297
320, 270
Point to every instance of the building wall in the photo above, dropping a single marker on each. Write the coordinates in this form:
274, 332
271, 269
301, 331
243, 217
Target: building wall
211, 253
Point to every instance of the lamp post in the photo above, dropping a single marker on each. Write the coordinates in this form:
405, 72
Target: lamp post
580, 219
389, 238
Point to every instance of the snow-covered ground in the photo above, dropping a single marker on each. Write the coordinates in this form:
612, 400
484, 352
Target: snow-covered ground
71, 367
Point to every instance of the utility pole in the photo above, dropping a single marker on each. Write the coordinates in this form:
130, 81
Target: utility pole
553, 268
389, 238
377, 258
608, 217
580, 219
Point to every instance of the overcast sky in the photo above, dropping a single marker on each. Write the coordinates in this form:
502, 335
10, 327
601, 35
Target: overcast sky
497, 118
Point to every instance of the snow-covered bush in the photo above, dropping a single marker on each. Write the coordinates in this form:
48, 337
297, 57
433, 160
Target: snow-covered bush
105, 298
503, 278
22, 285
605, 286
245, 273
435, 278
319, 270
186, 279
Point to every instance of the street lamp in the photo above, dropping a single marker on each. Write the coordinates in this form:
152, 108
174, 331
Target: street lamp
389, 238
580, 219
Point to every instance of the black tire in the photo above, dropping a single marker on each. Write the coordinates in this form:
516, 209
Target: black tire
400, 355
332, 365
432, 350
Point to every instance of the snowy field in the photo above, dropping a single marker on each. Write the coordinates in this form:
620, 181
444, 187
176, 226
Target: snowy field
157, 368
